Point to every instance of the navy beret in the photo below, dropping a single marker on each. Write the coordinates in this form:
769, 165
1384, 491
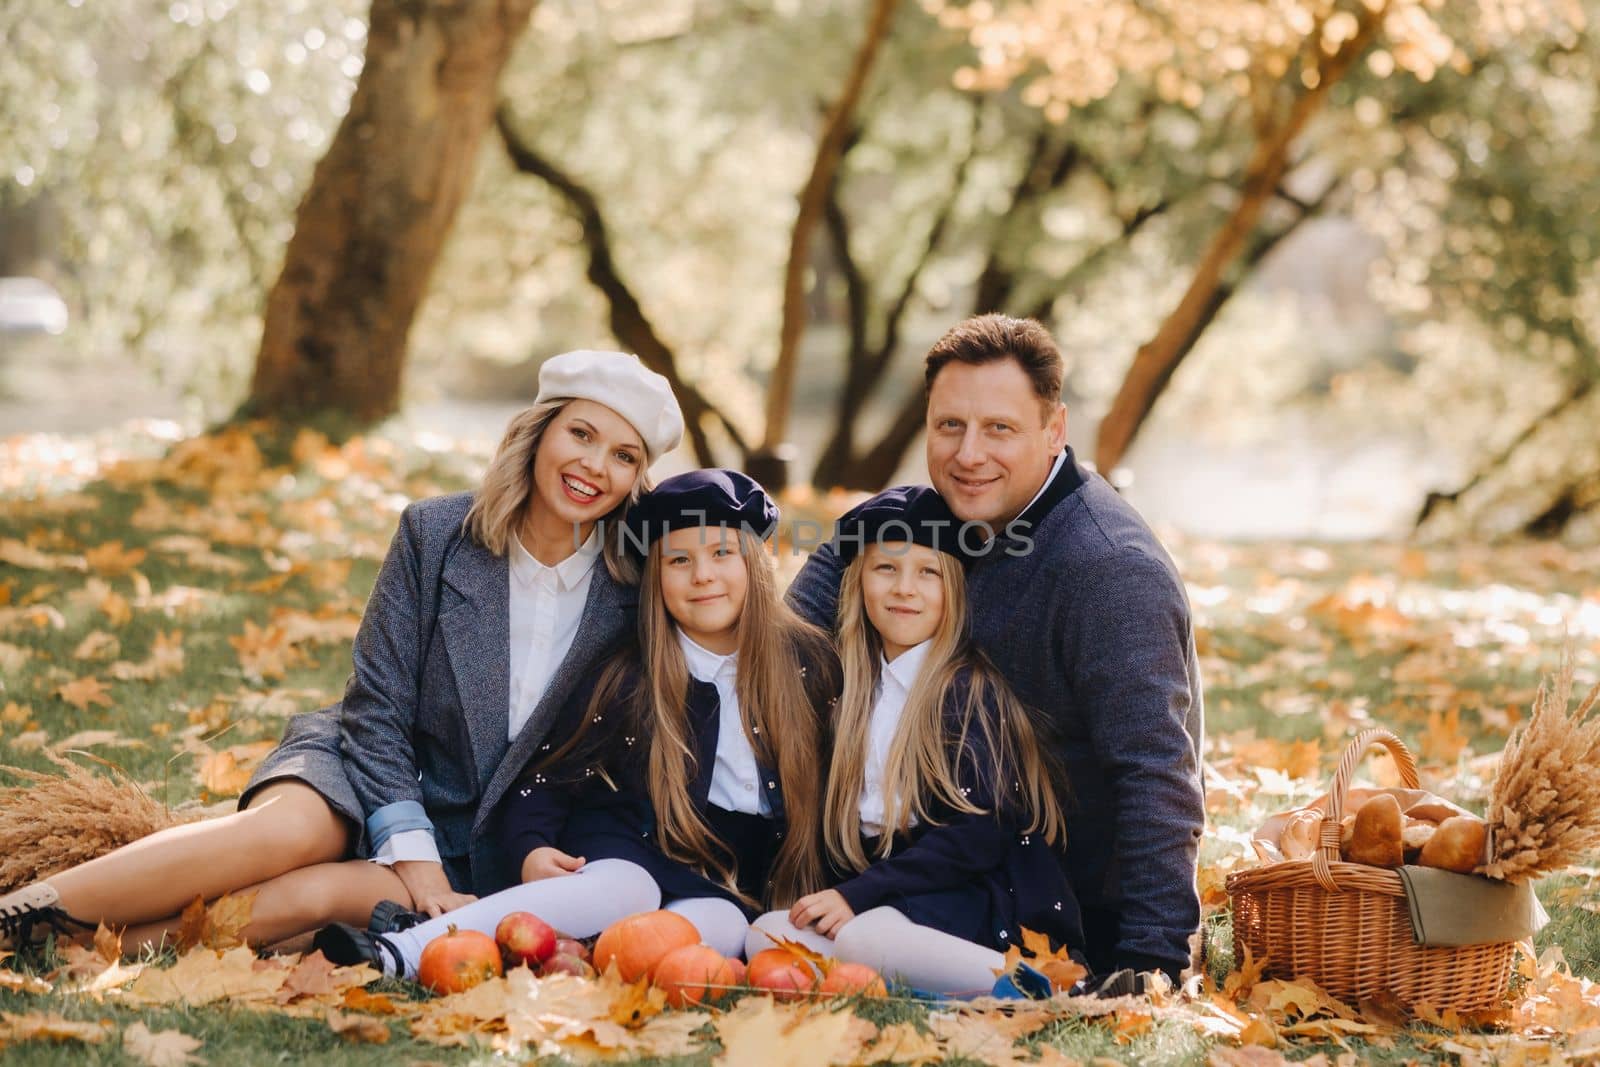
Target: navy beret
711, 497
915, 513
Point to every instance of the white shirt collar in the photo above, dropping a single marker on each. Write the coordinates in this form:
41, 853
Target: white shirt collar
705, 664
1055, 469
906, 666
568, 573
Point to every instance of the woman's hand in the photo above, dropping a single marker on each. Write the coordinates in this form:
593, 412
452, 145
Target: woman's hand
548, 862
827, 911
431, 892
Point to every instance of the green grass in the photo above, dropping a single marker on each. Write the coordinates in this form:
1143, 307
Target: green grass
1478, 630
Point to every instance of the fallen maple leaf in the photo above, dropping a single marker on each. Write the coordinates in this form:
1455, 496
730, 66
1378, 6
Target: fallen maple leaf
12, 982
902, 1043
38, 1026
226, 773
165, 1048
81, 692
265, 653
358, 999
1057, 965
112, 558
98, 645
219, 926
203, 975
358, 1028
758, 1031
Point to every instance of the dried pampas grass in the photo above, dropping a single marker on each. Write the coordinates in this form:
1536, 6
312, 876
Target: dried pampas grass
1544, 809
58, 820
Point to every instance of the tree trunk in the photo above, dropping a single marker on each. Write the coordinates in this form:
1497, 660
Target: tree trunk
381, 203
1157, 359
830, 148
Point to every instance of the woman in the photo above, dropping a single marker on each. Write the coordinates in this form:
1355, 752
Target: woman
487, 611
940, 809
689, 775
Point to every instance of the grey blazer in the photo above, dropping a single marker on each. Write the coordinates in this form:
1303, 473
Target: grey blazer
424, 717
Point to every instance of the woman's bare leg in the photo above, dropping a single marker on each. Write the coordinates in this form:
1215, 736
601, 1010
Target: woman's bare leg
298, 902
287, 826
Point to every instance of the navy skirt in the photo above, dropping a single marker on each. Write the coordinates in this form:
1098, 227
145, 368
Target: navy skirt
613, 832
1029, 890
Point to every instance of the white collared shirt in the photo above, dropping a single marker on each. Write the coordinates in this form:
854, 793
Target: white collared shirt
735, 777
1055, 469
546, 607
895, 680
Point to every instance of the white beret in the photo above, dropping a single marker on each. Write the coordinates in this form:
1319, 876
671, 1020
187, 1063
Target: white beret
621, 383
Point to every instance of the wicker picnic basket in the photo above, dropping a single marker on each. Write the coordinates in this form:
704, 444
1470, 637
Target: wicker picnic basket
1347, 927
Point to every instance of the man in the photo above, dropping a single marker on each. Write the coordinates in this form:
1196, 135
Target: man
1082, 610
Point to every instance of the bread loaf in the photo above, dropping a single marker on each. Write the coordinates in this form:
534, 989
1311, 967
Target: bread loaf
1458, 845
1375, 838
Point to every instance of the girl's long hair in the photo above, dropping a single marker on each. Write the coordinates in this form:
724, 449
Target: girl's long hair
508, 491
923, 771
779, 711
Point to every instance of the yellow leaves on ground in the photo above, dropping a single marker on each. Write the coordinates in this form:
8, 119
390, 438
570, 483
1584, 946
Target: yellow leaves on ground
760, 1031
225, 773
165, 1048
82, 692
15, 1029
113, 558
219, 925
1063, 971
265, 652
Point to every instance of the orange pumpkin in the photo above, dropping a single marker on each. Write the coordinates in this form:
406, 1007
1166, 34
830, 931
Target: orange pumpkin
690, 974
739, 971
637, 943
854, 979
782, 973
457, 960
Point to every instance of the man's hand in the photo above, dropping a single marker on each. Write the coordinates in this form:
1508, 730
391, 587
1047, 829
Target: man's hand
827, 911
548, 862
431, 892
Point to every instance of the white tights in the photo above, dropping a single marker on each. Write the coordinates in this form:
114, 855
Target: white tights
884, 939
580, 904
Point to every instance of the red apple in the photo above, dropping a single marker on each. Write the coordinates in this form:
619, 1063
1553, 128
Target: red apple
566, 946
525, 939
566, 963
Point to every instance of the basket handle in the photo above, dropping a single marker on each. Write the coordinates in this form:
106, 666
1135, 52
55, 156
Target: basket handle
1328, 840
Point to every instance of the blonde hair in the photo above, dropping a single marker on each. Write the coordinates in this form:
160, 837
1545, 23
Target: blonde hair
507, 492
924, 763
778, 708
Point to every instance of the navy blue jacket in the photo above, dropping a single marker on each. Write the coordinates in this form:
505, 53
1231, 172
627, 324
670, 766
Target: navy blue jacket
978, 876
596, 802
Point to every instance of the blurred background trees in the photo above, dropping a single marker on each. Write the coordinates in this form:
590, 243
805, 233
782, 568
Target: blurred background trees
1379, 210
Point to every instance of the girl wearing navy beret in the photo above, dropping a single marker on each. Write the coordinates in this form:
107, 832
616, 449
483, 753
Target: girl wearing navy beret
688, 774
940, 810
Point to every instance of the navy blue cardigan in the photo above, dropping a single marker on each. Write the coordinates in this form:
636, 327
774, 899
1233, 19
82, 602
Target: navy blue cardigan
980, 876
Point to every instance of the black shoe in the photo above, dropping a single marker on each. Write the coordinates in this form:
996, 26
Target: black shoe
346, 946
1123, 983
30, 907
390, 917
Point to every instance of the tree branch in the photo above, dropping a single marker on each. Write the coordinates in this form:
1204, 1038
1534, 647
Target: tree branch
830, 148
627, 318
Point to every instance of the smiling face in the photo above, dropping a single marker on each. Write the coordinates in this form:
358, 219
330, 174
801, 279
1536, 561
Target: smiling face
588, 460
703, 584
902, 588
991, 440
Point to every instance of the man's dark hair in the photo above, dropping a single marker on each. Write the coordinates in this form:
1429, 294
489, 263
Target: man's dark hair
987, 338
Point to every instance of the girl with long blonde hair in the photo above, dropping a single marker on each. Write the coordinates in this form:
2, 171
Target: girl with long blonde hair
688, 775
941, 809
